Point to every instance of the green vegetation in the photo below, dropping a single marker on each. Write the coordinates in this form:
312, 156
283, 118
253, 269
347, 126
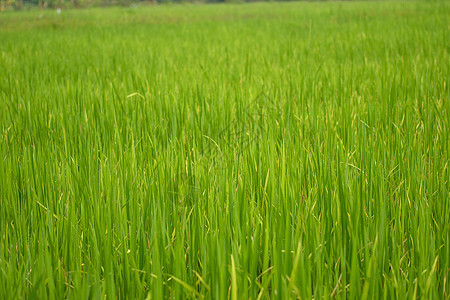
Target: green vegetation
226, 151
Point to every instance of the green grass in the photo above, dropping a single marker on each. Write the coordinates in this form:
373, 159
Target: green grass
272, 150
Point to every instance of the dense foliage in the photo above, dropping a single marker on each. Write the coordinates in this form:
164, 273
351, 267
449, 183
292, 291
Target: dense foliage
243, 151
44, 4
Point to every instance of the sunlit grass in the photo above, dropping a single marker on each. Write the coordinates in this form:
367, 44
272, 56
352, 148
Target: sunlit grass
226, 151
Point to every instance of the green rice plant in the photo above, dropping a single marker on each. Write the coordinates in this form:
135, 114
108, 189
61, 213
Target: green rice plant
267, 150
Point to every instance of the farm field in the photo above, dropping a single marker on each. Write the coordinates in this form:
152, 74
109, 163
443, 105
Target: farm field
230, 151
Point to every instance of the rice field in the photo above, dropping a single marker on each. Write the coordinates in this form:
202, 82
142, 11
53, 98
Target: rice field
232, 151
